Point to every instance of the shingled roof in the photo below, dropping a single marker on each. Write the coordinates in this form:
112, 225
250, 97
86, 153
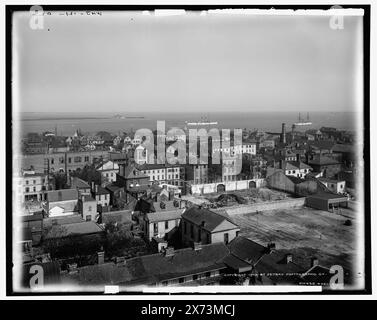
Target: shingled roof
209, 220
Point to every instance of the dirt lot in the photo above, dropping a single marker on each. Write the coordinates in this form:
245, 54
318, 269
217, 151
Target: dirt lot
305, 233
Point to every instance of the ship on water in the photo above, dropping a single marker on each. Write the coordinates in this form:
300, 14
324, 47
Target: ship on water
204, 121
119, 116
303, 122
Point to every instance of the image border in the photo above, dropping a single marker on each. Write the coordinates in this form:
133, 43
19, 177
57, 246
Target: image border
10, 9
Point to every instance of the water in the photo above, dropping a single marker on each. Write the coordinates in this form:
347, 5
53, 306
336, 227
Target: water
90, 122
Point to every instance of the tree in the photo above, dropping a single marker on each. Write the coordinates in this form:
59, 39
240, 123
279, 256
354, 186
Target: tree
88, 174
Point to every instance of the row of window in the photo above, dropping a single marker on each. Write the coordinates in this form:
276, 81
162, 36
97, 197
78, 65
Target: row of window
76, 159
189, 278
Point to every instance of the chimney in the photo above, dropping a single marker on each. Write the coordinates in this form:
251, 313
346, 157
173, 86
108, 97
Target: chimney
283, 133
96, 186
92, 185
82, 198
281, 163
169, 252
314, 262
72, 268
197, 246
298, 157
270, 247
288, 258
101, 257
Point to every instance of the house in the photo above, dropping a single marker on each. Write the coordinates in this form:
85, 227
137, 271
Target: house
161, 224
165, 173
205, 226
101, 195
32, 186
326, 201
82, 186
295, 168
330, 167
108, 170
129, 176
201, 265
335, 186
294, 185
88, 207
62, 202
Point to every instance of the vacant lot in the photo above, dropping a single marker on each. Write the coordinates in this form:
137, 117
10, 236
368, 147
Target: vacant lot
305, 233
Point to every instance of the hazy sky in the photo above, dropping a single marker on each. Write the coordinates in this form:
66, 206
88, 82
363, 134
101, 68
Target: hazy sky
125, 62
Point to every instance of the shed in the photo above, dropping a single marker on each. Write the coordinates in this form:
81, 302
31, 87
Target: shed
326, 201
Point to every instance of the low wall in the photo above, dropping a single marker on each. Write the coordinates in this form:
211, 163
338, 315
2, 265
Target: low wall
206, 188
265, 206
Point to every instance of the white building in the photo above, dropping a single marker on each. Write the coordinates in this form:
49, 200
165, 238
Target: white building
108, 170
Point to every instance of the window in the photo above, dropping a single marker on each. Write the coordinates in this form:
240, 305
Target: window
237, 233
226, 238
181, 280
27, 189
77, 159
27, 181
88, 218
69, 160
166, 224
176, 223
52, 160
34, 189
34, 182
86, 159
155, 228
195, 277
208, 274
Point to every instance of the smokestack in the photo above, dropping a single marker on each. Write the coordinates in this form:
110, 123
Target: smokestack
288, 258
283, 133
101, 257
314, 262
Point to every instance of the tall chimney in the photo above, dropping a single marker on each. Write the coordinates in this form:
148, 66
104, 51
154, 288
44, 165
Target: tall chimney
101, 257
298, 157
283, 133
288, 258
314, 262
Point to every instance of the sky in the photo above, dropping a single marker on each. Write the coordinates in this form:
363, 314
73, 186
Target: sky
128, 62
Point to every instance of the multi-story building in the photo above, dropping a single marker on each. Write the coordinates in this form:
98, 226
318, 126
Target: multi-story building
161, 224
165, 173
108, 170
31, 186
59, 162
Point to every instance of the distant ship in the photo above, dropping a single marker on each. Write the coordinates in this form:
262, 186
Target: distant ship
302, 122
118, 116
203, 122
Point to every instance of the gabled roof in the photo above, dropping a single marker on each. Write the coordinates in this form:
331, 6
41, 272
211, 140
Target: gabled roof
207, 219
246, 249
79, 183
164, 215
80, 228
132, 172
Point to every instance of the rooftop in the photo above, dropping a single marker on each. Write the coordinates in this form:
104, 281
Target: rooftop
209, 220
164, 216
80, 228
62, 195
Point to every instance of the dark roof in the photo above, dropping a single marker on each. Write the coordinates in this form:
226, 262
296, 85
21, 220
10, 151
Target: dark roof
32, 217
75, 218
246, 249
87, 197
62, 195
328, 196
295, 180
101, 190
131, 172
164, 215
80, 228
211, 219
112, 187
344, 148
322, 144
121, 216
323, 160
184, 262
153, 268
274, 264
79, 183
